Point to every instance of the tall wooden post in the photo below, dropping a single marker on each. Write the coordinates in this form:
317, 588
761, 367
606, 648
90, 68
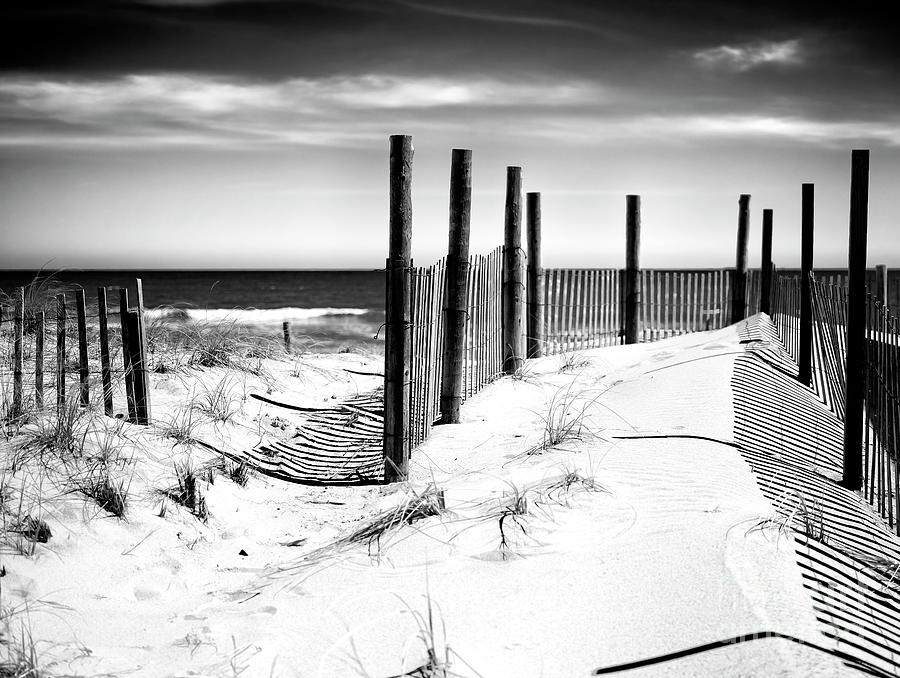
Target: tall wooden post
105, 373
456, 289
768, 271
83, 371
881, 283
513, 275
60, 352
632, 290
141, 373
126, 354
856, 322
739, 286
39, 360
807, 219
535, 294
18, 352
397, 312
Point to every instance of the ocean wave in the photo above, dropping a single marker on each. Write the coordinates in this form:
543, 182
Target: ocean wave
250, 316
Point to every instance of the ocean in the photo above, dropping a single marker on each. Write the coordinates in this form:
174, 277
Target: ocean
329, 311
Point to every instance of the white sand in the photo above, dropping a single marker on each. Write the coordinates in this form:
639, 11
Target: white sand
663, 558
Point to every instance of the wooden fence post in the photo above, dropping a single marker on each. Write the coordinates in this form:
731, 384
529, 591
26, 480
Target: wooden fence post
632, 290
456, 289
83, 370
535, 292
768, 270
141, 374
18, 352
856, 322
105, 373
807, 219
39, 360
60, 353
513, 275
126, 354
739, 285
397, 312
881, 283
286, 333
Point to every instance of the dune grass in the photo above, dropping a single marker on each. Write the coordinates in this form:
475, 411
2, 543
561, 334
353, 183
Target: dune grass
186, 491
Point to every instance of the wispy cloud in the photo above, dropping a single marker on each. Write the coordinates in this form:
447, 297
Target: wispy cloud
751, 55
220, 112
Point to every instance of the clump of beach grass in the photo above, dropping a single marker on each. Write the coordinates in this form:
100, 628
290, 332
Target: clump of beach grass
219, 403
182, 425
18, 651
186, 491
571, 361
415, 506
563, 421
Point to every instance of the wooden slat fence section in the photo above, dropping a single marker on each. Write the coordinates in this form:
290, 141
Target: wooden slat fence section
427, 318
881, 472
74, 352
582, 309
482, 354
679, 302
484, 338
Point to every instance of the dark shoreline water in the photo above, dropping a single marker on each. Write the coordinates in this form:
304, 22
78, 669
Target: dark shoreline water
331, 309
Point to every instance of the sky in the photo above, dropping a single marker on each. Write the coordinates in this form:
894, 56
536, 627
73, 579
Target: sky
254, 133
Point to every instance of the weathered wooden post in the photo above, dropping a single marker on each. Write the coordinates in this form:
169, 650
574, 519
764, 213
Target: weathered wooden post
126, 354
39, 360
456, 289
18, 352
397, 312
83, 370
881, 283
856, 322
513, 275
739, 285
141, 373
632, 290
105, 373
286, 334
535, 278
807, 220
60, 353
768, 270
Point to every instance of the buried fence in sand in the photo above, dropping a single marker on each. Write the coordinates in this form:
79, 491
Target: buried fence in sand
452, 327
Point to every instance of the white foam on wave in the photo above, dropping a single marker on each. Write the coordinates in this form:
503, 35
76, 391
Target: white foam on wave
253, 315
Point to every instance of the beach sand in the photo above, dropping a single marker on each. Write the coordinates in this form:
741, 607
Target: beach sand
604, 547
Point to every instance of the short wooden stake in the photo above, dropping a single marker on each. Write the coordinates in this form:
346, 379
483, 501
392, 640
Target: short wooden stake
286, 333
397, 313
513, 275
83, 370
535, 293
60, 352
739, 286
456, 290
632, 287
126, 354
18, 352
807, 220
39, 360
768, 270
105, 372
856, 322
881, 283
